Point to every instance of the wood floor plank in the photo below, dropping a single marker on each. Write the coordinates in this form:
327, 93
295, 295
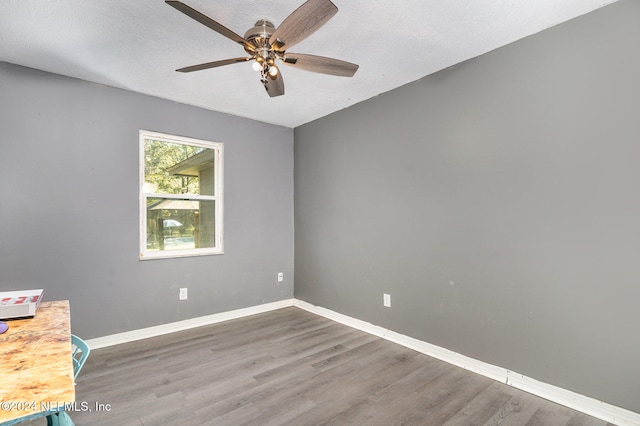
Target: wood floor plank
481, 408
516, 412
291, 367
437, 402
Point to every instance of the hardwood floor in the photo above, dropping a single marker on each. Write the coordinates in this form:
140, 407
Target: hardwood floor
291, 367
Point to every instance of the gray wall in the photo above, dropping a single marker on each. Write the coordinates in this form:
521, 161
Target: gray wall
498, 202
69, 205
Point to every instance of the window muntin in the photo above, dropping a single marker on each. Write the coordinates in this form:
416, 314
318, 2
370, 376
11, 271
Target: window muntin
180, 196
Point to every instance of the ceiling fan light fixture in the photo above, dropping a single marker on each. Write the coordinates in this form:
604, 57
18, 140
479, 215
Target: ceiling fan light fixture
256, 66
273, 71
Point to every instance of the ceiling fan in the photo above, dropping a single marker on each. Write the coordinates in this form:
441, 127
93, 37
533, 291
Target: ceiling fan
265, 44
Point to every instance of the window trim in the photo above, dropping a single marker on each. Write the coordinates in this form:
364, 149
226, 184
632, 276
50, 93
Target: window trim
218, 148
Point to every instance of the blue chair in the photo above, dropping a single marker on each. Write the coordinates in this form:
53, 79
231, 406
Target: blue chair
79, 354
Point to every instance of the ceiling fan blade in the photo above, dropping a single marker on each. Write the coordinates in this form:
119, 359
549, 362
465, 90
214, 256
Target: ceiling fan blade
205, 20
303, 22
213, 64
321, 64
274, 85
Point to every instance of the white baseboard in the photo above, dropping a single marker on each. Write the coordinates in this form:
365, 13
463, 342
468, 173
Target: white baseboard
585, 404
158, 330
593, 407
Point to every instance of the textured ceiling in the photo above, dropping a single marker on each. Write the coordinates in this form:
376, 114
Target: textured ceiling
138, 44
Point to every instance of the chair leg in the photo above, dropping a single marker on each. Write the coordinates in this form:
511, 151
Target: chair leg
52, 420
64, 419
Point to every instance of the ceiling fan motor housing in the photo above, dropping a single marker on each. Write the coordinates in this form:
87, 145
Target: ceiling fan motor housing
260, 33
263, 53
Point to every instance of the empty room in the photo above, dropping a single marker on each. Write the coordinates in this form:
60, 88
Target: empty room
429, 214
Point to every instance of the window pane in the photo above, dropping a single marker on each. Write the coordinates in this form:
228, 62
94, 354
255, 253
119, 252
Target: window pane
180, 224
173, 168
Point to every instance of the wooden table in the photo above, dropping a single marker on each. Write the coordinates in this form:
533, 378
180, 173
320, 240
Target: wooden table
36, 370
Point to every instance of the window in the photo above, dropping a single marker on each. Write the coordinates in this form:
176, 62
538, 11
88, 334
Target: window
180, 196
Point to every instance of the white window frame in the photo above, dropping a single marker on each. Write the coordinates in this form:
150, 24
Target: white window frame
218, 148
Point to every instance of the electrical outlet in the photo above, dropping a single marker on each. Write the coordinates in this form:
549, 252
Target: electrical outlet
280, 277
183, 294
386, 300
